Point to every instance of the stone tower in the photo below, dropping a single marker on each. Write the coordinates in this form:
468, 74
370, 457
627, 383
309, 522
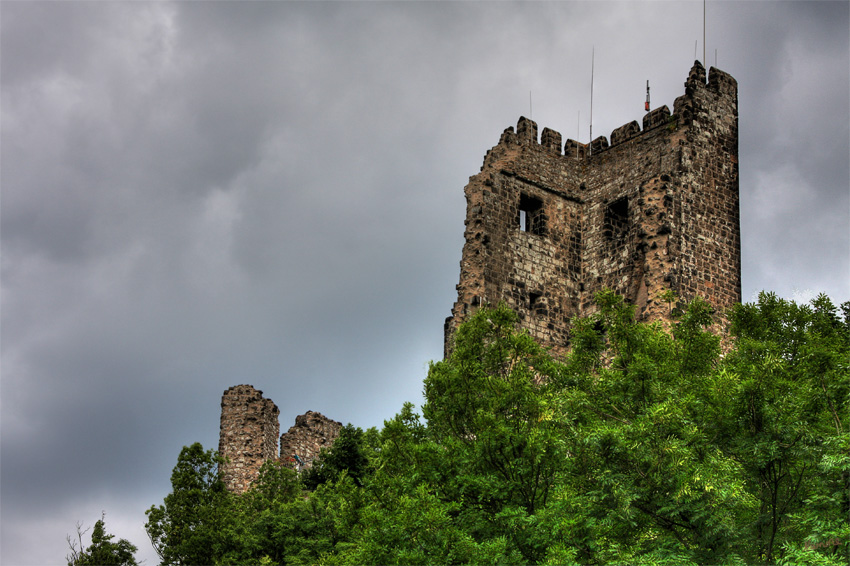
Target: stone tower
248, 435
548, 225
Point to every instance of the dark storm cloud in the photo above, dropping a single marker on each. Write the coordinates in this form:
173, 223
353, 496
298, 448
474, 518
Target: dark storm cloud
794, 122
197, 195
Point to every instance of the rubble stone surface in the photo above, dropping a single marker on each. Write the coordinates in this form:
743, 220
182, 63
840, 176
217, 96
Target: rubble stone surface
247, 435
312, 432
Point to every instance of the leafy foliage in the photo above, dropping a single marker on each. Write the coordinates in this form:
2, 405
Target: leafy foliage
790, 423
102, 550
641, 446
346, 454
195, 525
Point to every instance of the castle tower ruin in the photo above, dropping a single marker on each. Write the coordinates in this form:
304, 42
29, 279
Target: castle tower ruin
549, 225
248, 435
249, 431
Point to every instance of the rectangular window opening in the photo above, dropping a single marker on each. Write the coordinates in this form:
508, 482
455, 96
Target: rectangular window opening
531, 217
617, 218
533, 299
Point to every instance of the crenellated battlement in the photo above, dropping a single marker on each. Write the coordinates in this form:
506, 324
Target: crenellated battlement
720, 84
551, 222
625, 133
658, 117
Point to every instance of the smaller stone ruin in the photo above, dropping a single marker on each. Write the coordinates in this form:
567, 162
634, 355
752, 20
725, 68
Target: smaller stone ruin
313, 431
249, 436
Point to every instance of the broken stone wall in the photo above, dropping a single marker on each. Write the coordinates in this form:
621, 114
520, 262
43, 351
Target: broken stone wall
311, 433
247, 436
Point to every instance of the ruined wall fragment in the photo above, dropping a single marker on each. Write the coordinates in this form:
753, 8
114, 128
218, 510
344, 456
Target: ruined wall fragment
247, 436
303, 442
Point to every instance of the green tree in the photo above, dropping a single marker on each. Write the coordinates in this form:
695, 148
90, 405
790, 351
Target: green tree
347, 454
643, 482
276, 522
408, 511
488, 409
644, 445
102, 550
195, 523
418, 527
788, 424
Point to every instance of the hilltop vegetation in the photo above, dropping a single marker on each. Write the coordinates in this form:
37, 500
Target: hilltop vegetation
642, 446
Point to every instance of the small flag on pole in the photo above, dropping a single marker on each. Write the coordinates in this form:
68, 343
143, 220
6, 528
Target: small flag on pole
646, 105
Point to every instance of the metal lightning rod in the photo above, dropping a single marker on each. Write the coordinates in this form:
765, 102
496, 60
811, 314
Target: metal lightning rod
578, 131
592, 62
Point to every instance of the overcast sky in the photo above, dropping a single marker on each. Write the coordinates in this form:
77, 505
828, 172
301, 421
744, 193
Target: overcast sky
198, 195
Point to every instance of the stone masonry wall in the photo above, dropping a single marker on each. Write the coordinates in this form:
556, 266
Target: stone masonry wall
312, 432
710, 214
248, 435
655, 210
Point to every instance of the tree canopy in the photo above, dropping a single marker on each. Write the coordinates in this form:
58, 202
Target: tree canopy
643, 445
101, 551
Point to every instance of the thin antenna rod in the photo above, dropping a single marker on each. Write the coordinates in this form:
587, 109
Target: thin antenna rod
578, 129
592, 63
703, 34
695, 49
715, 58
530, 111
